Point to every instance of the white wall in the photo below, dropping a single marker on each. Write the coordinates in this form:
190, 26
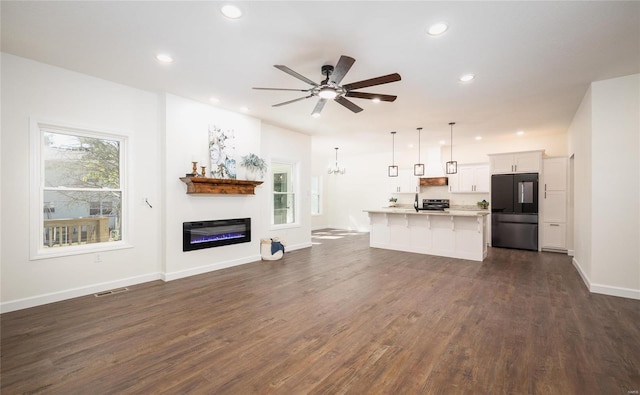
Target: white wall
616, 162
605, 138
186, 139
284, 145
579, 138
31, 89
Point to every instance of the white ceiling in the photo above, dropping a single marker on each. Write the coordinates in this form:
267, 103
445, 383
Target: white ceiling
533, 60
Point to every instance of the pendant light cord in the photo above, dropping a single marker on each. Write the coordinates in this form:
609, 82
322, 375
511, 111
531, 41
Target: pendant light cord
451, 147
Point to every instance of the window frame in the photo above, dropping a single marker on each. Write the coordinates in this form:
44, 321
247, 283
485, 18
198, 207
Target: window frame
36, 194
295, 180
318, 193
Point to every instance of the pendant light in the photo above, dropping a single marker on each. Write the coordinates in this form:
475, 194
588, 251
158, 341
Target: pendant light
337, 169
452, 165
393, 169
418, 168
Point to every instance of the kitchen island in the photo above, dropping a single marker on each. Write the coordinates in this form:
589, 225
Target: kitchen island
455, 233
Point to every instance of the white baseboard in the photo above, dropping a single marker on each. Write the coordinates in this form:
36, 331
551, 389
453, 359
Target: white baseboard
209, 268
297, 246
33, 301
570, 252
583, 275
615, 291
606, 289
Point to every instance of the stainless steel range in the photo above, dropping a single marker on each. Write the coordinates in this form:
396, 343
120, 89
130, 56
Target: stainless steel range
431, 204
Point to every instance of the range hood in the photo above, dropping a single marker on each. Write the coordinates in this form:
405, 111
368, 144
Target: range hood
434, 181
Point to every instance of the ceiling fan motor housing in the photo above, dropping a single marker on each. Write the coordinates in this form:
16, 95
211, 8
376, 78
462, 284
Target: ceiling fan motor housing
327, 69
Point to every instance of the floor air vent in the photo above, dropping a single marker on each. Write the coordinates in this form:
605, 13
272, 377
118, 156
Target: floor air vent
110, 292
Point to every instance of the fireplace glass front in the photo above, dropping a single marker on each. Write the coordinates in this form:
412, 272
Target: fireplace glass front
207, 234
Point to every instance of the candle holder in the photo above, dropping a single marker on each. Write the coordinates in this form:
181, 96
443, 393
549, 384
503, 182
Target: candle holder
203, 173
194, 170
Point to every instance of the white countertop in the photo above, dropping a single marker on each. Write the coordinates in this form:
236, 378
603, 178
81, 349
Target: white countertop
412, 211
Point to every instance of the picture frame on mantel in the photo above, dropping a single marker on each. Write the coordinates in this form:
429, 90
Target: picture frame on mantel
222, 147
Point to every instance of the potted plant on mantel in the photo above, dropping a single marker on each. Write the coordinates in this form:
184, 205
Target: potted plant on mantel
255, 166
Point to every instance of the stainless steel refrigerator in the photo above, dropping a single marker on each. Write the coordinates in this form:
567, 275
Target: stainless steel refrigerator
514, 211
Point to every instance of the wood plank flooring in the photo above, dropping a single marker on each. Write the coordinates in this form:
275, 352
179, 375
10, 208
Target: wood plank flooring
337, 318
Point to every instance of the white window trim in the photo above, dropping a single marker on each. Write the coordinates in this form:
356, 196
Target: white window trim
36, 194
320, 199
296, 191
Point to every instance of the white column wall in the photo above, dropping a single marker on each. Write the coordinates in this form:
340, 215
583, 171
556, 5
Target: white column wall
579, 137
615, 168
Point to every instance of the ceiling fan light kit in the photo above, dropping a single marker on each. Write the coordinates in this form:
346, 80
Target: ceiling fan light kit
330, 88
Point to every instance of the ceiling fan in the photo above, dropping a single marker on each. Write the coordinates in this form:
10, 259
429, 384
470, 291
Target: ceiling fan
330, 88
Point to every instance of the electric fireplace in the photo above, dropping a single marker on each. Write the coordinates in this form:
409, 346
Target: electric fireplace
207, 234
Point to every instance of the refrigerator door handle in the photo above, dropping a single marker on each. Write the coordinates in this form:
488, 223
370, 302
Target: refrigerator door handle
525, 192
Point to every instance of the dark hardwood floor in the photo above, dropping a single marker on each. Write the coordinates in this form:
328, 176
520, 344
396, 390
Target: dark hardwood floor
339, 317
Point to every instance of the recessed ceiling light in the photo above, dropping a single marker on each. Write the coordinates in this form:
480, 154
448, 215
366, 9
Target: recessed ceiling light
437, 29
214, 100
164, 58
410, 145
467, 77
376, 100
231, 11
316, 115
442, 142
478, 138
520, 132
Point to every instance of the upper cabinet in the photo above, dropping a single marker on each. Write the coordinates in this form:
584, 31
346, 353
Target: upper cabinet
406, 182
555, 174
516, 162
470, 179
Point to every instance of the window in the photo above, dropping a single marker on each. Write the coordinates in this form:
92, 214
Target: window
316, 208
78, 189
284, 193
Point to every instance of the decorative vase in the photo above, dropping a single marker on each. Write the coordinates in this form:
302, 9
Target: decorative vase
251, 174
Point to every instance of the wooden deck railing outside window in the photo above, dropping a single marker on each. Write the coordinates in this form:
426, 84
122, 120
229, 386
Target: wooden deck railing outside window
64, 232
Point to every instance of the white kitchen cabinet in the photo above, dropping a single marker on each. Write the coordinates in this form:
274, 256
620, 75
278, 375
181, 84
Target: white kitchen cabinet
406, 182
554, 206
471, 179
554, 174
554, 203
554, 236
516, 162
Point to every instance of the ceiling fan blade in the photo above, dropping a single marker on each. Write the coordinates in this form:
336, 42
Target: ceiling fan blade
349, 104
318, 108
371, 96
385, 79
291, 101
341, 69
294, 74
282, 89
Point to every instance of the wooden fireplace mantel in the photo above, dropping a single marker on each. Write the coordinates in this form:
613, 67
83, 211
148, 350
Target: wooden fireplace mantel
219, 186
